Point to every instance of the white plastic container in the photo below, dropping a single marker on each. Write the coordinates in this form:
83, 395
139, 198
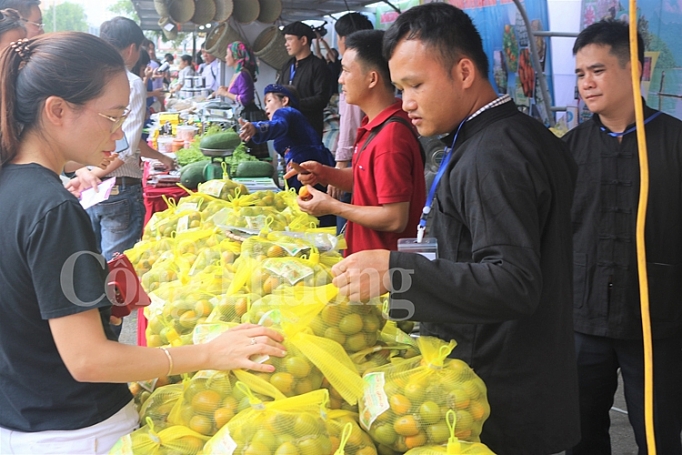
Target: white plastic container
165, 144
186, 132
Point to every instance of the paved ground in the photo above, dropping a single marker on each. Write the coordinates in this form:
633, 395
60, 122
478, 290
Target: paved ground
622, 439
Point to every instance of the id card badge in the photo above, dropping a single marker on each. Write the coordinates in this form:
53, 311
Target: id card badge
428, 247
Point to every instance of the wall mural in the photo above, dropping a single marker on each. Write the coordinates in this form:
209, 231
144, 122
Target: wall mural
660, 23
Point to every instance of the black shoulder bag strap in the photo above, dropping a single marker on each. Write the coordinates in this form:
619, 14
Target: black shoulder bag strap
392, 119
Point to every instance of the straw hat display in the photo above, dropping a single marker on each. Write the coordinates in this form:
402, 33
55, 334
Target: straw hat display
270, 10
219, 38
246, 11
203, 12
269, 47
223, 10
181, 11
170, 30
161, 7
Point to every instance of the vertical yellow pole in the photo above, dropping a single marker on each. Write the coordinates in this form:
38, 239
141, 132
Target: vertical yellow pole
641, 248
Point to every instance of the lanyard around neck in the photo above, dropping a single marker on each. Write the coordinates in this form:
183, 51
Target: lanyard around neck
292, 73
631, 129
432, 191
421, 228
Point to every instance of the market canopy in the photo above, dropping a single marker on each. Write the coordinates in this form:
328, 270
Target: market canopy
292, 10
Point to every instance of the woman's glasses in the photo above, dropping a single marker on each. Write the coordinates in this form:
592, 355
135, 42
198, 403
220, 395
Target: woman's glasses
116, 122
38, 25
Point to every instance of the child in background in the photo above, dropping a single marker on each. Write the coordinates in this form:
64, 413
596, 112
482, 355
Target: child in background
294, 137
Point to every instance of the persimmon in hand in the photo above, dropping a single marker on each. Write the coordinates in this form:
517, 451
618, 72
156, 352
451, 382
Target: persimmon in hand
304, 194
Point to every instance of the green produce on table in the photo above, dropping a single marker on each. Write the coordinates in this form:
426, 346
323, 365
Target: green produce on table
252, 169
225, 140
191, 175
240, 155
189, 155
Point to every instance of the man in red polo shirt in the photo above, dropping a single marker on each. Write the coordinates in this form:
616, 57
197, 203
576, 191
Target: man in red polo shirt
387, 174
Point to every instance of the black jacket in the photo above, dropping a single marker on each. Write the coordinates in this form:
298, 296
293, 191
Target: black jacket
501, 287
313, 82
606, 287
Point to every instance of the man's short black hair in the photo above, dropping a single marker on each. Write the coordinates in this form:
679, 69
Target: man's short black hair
169, 57
443, 27
23, 6
614, 33
142, 62
367, 45
121, 32
352, 22
300, 29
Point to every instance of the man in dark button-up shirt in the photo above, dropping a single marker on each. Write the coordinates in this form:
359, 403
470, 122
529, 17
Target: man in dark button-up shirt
607, 318
501, 286
307, 73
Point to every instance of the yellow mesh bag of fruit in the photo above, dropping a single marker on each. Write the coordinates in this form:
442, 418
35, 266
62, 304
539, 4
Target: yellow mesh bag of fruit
191, 245
323, 239
150, 231
291, 425
182, 311
310, 358
146, 252
454, 446
279, 275
210, 399
194, 200
346, 435
261, 248
266, 198
263, 277
231, 308
224, 188
353, 325
176, 262
256, 219
370, 358
209, 205
257, 199
150, 441
301, 221
173, 223
207, 257
314, 298
229, 252
405, 403
160, 403
168, 268
214, 280
366, 359
287, 198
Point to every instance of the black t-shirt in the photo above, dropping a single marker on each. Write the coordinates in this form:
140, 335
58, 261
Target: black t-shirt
49, 268
335, 71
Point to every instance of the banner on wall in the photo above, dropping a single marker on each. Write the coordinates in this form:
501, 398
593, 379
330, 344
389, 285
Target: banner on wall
660, 24
386, 15
506, 42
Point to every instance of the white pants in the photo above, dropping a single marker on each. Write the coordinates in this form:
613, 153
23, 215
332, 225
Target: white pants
96, 439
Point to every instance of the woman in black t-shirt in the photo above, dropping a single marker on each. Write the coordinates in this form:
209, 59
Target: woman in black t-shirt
62, 375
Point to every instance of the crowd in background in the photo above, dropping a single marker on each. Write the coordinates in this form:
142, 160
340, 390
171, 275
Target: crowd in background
535, 275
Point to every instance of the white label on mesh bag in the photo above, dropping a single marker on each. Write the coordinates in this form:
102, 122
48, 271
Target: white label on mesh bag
224, 444
374, 400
